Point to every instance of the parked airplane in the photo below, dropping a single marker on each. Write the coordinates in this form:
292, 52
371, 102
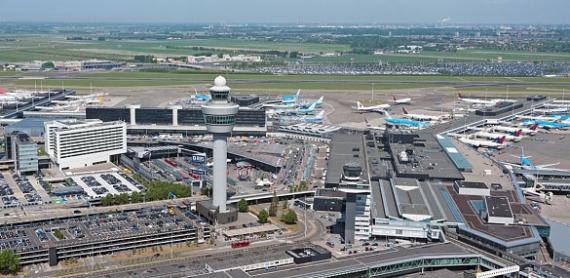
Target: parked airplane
319, 103
527, 131
199, 97
422, 117
538, 118
315, 119
404, 122
88, 97
402, 100
546, 124
299, 111
560, 116
291, 99
375, 108
497, 136
498, 144
485, 102
526, 164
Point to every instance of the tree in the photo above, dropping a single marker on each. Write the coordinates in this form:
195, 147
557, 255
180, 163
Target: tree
290, 217
122, 199
262, 217
285, 205
242, 205
108, 200
9, 262
205, 191
274, 204
136, 197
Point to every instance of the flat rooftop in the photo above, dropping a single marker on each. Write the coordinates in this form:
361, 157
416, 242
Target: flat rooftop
426, 157
472, 184
498, 206
468, 206
345, 149
33, 236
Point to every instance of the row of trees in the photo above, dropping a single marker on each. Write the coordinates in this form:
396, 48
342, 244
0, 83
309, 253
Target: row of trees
155, 190
289, 217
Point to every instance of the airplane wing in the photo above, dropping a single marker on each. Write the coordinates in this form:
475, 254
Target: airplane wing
547, 165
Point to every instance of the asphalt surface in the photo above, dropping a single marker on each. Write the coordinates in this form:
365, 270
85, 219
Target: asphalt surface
459, 83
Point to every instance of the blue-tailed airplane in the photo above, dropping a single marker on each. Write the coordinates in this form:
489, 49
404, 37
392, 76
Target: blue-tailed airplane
291, 99
318, 102
297, 111
404, 122
546, 124
200, 97
560, 116
526, 164
315, 119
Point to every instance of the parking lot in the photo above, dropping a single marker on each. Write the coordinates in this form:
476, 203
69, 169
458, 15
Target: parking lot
99, 185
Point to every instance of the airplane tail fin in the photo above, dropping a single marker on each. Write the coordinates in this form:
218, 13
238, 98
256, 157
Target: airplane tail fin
404, 110
313, 106
533, 127
358, 104
297, 94
460, 95
394, 98
501, 139
518, 133
321, 99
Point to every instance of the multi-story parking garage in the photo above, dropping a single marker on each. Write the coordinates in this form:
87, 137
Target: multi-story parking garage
81, 236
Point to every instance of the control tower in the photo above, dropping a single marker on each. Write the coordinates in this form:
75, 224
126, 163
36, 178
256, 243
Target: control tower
219, 116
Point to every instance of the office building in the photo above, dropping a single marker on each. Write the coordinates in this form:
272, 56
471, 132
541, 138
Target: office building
76, 144
24, 152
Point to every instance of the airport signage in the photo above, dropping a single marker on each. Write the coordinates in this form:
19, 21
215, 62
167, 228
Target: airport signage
198, 158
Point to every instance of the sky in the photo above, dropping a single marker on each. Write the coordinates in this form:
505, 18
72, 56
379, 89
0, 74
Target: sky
289, 11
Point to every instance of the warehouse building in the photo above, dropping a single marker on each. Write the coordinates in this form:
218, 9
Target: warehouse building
76, 144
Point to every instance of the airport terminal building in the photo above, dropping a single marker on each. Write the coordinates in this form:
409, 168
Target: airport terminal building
176, 120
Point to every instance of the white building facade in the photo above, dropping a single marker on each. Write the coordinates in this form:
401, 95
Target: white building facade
75, 144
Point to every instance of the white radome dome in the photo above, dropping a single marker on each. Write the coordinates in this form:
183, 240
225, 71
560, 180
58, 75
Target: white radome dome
220, 81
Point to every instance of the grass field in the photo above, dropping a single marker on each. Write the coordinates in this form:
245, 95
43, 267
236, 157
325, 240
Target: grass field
42, 47
291, 82
51, 47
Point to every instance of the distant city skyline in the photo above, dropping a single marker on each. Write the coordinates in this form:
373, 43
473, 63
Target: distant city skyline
291, 11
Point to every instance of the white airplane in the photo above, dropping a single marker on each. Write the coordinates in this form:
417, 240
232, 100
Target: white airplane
499, 144
497, 136
423, 117
527, 131
402, 100
537, 118
88, 97
375, 108
485, 102
551, 110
